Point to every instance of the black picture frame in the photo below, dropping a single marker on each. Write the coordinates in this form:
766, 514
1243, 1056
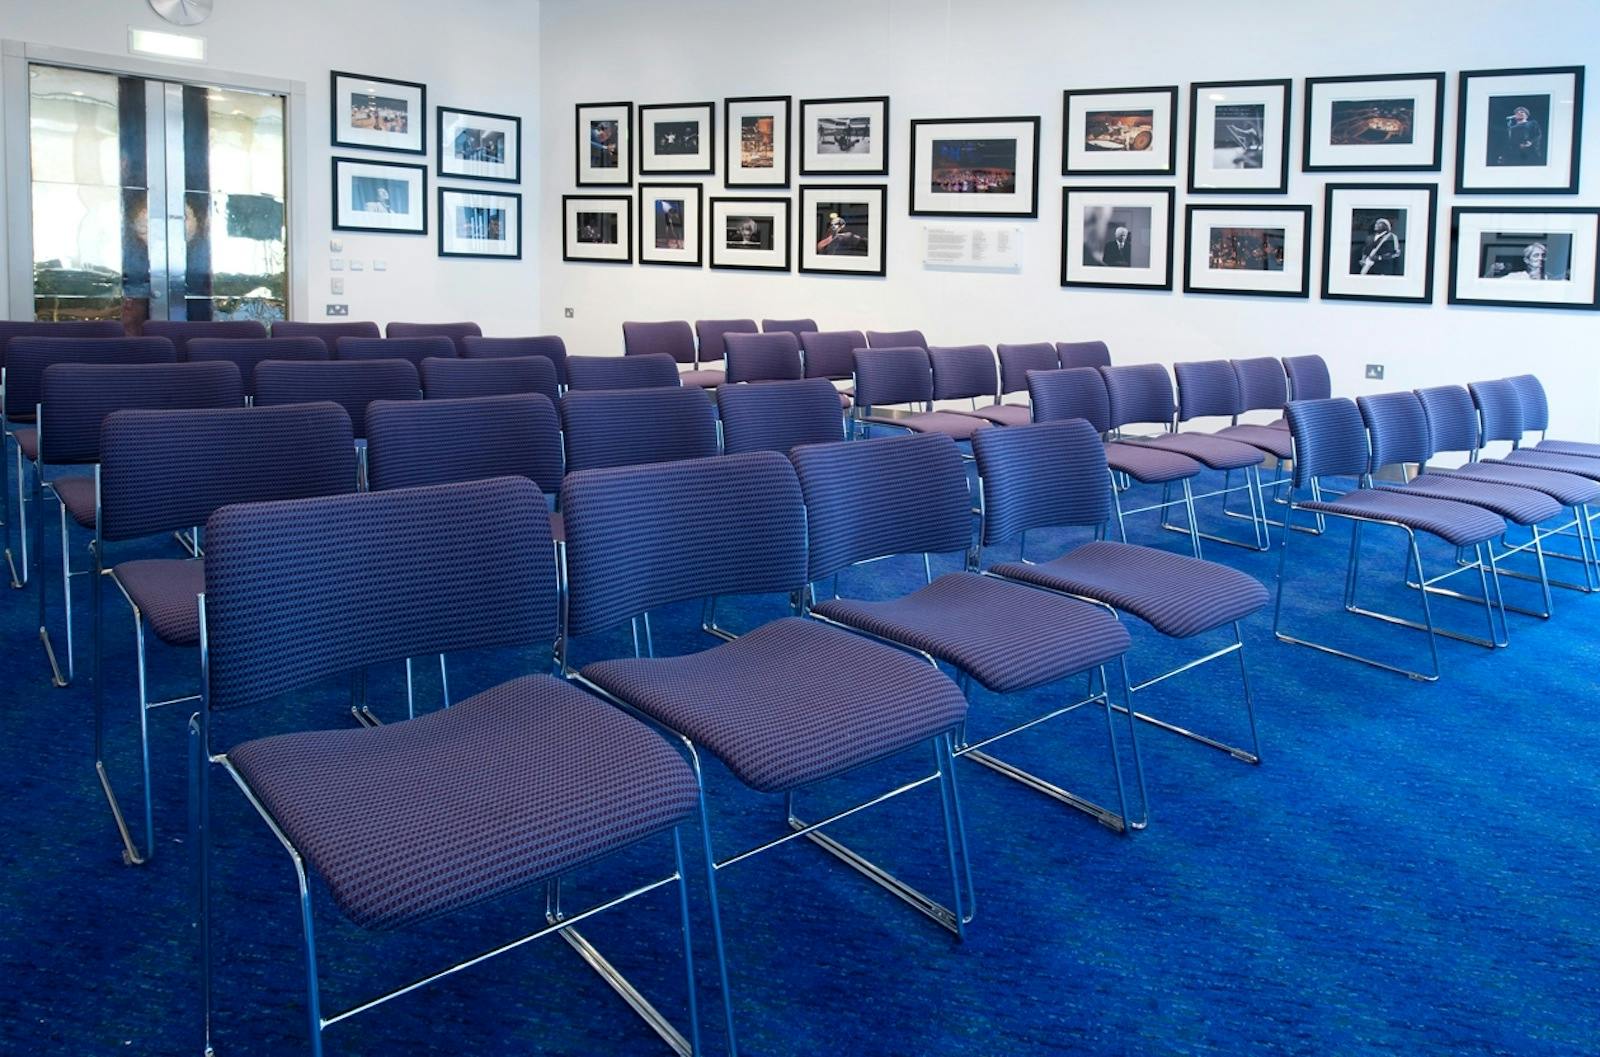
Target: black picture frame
625, 243
708, 134
728, 142
804, 120
1171, 196
516, 153
882, 193
1309, 108
1170, 169
1464, 116
699, 225
334, 123
1194, 209
788, 232
444, 215
340, 224
581, 145
1284, 84
1427, 230
918, 124
1455, 297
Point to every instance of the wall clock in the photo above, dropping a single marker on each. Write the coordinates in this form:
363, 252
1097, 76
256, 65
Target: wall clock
183, 12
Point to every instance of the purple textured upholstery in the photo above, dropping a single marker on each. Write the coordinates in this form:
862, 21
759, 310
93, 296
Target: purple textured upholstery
1308, 377
1206, 389
1070, 392
27, 358
628, 427
245, 353
353, 384
1452, 420
1017, 360
1270, 439
642, 371
896, 339
99, 328
763, 357
793, 326
1397, 429
1217, 453
1499, 410
1139, 393
422, 442
1262, 384
954, 424
1330, 439
182, 331
77, 397
1003, 414
448, 379
831, 353
963, 371
672, 337
1456, 523
550, 346
1047, 475
1517, 504
778, 416
414, 350
166, 592
1536, 418
711, 333
893, 375
329, 333
76, 493
1083, 354
456, 332
1537, 458
1569, 447
1568, 489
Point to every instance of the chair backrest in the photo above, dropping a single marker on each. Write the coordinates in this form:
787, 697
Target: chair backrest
245, 353
22, 328
1071, 392
1397, 429
644, 371
352, 384
328, 332
629, 530
550, 346
1499, 410
711, 332
868, 499
770, 357
627, 427
670, 337
1017, 360
448, 379
796, 327
1208, 388
27, 358
161, 471
1262, 384
77, 397
896, 339
893, 376
778, 416
456, 332
300, 590
1139, 393
422, 442
1047, 475
963, 371
831, 353
1083, 354
1329, 439
1535, 405
1308, 377
414, 350
182, 331
1452, 419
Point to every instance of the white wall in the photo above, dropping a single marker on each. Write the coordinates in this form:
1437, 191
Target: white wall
474, 54
942, 59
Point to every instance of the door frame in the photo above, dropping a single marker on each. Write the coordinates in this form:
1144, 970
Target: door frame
16, 293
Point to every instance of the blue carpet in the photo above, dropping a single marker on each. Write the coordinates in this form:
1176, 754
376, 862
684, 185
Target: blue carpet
1412, 869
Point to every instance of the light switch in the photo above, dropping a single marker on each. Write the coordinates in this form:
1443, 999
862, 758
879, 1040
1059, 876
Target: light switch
335, 264
336, 245
379, 265
356, 266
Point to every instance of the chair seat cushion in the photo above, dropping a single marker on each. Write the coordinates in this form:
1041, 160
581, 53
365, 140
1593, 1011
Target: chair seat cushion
165, 591
1008, 636
27, 439
1455, 523
1004, 414
1149, 465
1523, 506
512, 786
1214, 452
845, 403
1547, 460
702, 379
1275, 442
76, 492
1569, 447
792, 702
950, 423
1173, 593
1568, 489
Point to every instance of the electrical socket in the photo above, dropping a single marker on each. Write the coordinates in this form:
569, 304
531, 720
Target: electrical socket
1375, 372
568, 313
335, 264
338, 310
336, 286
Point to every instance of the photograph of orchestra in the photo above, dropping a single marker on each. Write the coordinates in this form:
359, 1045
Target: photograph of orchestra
379, 113
1247, 249
974, 166
1377, 242
755, 141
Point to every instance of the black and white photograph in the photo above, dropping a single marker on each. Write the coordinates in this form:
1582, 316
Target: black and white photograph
670, 224
597, 228
844, 137
975, 167
1527, 258
677, 139
380, 196
1262, 251
1120, 131
603, 145
484, 224
479, 146
1377, 242
749, 233
1385, 123
842, 229
1239, 137
1118, 237
756, 143
1519, 131
379, 113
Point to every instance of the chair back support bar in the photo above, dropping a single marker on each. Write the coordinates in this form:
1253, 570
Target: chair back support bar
451, 378
778, 416
1047, 475
353, 384
77, 397
1017, 360
1071, 392
628, 427
421, 442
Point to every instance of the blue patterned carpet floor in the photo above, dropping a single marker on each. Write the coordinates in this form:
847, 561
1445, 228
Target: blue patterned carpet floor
1412, 869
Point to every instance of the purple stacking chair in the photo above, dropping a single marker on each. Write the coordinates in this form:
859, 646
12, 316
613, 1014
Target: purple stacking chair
966, 372
645, 371
550, 346
1212, 389
711, 347
796, 327
182, 331
456, 332
627, 427
778, 416
329, 333
888, 376
674, 338
1015, 363
245, 353
1536, 419
1308, 377
502, 794
785, 707
1263, 387
165, 471
447, 379
1083, 354
896, 339
831, 354
74, 400
773, 357
413, 349
1051, 476
1330, 440
352, 384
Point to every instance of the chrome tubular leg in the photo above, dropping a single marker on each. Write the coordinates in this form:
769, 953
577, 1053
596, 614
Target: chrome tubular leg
1116, 505
688, 943
1194, 522
144, 736
22, 519
1133, 741
411, 699
1427, 610
56, 677
130, 853
17, 582
946, 765
313, 993
716, 910
200, 841
66, 592
444, 680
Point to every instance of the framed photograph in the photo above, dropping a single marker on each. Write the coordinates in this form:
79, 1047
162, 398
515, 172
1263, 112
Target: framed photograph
749, 233
475, 223
595, 228
1519, 131
975, 167
670, 223
1377, 242
1390, 123
375, 113
476, 146
677, 139
380, 196
843, 229
1239, 137
756, 141
1120, 131
844, 137
1525, 258
604, 145
1263, 251
1117, 237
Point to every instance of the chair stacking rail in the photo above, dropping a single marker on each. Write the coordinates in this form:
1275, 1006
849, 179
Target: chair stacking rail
74, 401
413, 349
300, 591
352, 384
1083, 354
329, 333
1331, 441
796, 327
1015, 363
778, 416
869, 500
445, 379
896, 339
1052, 476
626, 427
711, 347
644, 371
550, 346
456, 332
904, 375
162, 471
182, 331
245, 353
673, 338
773, 357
